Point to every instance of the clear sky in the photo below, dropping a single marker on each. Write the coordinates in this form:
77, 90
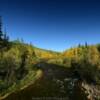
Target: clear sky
52, 24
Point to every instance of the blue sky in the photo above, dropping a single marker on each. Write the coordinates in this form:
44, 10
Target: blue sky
52, 24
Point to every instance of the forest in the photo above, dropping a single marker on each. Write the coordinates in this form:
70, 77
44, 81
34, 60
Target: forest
28, 72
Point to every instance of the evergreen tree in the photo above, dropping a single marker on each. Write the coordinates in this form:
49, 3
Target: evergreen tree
22, 69
4, 39
1, 34
86, 45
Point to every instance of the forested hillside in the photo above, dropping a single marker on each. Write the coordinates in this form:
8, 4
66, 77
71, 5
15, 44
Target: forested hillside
27, 72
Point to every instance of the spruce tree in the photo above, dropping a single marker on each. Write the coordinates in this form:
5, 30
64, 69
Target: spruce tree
4, 39
1, 33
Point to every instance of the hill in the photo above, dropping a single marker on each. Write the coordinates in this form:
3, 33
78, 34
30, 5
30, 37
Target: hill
27, 72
